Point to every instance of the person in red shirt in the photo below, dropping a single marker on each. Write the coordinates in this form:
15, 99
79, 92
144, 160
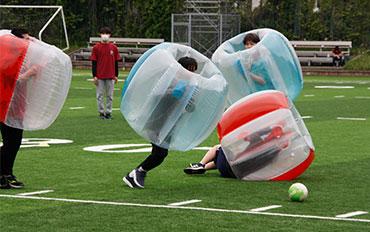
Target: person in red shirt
105, 57
337, 54
11, 136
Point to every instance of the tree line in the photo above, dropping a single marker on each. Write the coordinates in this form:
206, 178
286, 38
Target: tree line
335, 19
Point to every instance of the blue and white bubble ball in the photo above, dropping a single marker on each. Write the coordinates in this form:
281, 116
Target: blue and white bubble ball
169, 105
270, 64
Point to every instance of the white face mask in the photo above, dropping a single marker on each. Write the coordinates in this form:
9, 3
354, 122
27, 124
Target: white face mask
105, 37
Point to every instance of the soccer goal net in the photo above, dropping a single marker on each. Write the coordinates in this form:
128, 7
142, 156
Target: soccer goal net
46, 23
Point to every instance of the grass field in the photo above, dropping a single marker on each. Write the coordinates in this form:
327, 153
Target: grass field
88, 193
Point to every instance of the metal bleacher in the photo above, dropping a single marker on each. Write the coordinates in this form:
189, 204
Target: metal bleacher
311, 53
130, 50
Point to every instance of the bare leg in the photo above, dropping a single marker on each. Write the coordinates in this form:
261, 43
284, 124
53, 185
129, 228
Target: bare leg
206, 163
210, 165
209, 157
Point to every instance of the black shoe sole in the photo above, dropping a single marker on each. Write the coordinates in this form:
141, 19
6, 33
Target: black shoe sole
16, 186
190, 171
128, 182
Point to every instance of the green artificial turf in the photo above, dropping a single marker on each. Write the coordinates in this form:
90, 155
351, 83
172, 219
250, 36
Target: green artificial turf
338, 179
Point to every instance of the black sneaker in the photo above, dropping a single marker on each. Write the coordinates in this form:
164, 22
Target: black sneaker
13, 182
195, 168
135, 179
4, 183
102, 116
129, 181
108, 116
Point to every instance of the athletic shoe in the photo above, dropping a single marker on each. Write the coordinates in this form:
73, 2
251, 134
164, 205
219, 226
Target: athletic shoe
108, 116
129, 181
13, 182
101, 116
4, 183
195, 168
135, 179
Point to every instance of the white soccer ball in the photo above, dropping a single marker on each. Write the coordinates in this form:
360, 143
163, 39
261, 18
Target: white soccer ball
298, 192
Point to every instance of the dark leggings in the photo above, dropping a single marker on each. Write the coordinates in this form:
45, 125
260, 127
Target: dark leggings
12, 139
155, 158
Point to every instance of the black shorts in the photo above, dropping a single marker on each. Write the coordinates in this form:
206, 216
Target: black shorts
222, 165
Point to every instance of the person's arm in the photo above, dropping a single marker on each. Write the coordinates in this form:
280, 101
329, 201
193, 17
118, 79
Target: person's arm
116, 71
95, 79
258, 79
257, 66
30, 72
93, 59
94, 68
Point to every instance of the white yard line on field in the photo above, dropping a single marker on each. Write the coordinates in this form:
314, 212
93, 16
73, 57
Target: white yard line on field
185, 202
35, 193
337, 82
304, 117
333, 87
351, 214
186, 208
76, 107
309, 95
83, 88
128, 148
265, 208
362, 97
339, 96
351, 119
202, 148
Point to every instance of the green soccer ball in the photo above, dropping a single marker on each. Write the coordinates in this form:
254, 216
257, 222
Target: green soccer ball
298, 192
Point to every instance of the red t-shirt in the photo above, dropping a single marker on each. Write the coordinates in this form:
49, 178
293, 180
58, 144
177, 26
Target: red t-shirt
12, 50
105, 55
336, 51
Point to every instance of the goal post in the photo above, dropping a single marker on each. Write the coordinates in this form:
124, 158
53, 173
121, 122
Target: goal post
58, 11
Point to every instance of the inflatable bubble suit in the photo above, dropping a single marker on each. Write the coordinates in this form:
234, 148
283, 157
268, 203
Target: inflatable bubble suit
34, 82
270, 64
169, 105
264, 138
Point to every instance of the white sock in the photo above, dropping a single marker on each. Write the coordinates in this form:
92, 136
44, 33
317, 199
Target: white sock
141, 169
